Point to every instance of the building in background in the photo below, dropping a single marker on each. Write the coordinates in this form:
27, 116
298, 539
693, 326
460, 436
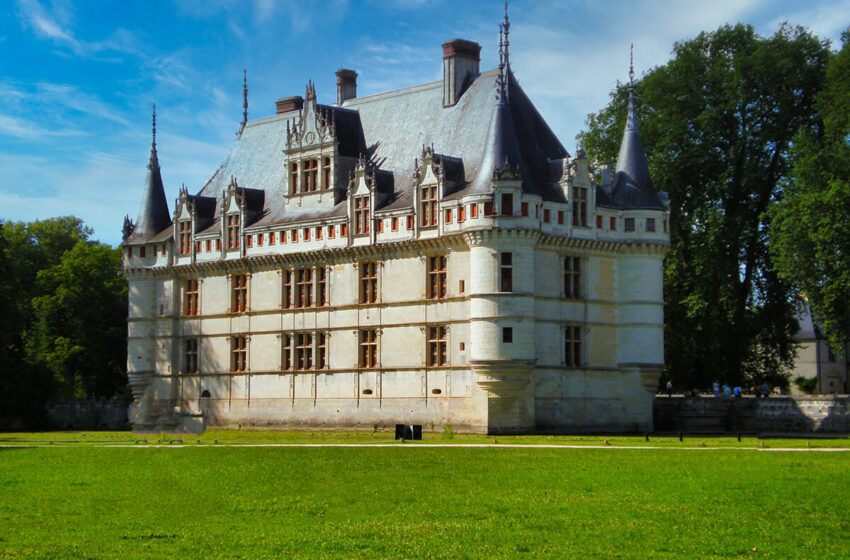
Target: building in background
431, 255
815, 361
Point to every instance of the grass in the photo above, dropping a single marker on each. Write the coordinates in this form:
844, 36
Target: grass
86, 500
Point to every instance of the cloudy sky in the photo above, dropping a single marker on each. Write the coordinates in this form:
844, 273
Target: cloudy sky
77, 78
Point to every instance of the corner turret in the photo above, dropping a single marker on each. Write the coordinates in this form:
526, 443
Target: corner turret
154, 216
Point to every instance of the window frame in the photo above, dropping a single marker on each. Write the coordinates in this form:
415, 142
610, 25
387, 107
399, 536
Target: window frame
367, 343
437, 274
437, 351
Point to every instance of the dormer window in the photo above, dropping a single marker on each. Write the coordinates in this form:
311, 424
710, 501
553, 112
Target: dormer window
326, 173
361, 215
232, 231
580, 206
429, 206
293, 178
184, 236
311, 175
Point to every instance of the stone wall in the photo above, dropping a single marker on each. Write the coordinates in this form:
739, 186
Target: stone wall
751, 415
88, 415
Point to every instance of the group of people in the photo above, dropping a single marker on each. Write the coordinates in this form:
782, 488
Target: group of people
726, 390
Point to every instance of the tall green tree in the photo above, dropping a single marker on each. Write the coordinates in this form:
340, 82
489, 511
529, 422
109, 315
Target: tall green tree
717, 123
810, 227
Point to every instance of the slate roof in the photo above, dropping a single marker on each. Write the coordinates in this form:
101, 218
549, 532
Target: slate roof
153, 217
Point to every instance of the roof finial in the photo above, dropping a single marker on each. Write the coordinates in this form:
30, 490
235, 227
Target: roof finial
501, 47
244, 97
507, 27
632, 67
153, 120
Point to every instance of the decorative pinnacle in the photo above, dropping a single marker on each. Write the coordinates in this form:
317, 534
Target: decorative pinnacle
632, 67
507, 26
244, 97
153, 128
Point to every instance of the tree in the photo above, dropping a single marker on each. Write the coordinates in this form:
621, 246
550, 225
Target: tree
810, 227
717, 123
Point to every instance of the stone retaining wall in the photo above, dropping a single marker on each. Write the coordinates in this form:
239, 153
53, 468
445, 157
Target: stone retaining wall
748, 414
88, 415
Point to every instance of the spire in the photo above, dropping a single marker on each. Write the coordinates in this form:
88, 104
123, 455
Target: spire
153, 213
632, 186
501, 147
506, 27
244, 97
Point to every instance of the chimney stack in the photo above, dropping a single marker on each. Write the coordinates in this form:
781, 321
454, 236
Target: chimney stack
286, 104
346, 85
460, 66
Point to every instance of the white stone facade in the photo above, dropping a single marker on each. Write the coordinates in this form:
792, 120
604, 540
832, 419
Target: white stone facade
504, 311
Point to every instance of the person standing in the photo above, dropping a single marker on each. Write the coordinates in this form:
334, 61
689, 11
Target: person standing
669, 388
716, 387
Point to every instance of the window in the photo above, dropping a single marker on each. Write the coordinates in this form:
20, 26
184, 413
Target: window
249, 241
380, 226
283, 237
546, 215
560, 216
190, 305
321, 350
488, 209
612, 223
580, 206
218, 244
272, 238
664, 222
142, 252
506, 274
322, 287
507, 335
343, 230
293, 234
184, 236
293, 178
209, 245
394, 224
239, 300
461, 286
598, 222
287, 289
410, 222
190, 355
630, 224
368, 348
572, 277
306, 234
239, 354
473, 210
197, 247
331, 232
303, 351
437, 277
326, 173
523, 207
572, 347
311, 175
650, 224
319, 231
437, 346
448, 216
232, 231
361, 215
428, 196
368, 282
303, 287
461, 214
507, 204
286, 352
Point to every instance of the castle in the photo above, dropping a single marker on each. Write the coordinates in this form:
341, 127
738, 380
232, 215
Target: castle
431, 255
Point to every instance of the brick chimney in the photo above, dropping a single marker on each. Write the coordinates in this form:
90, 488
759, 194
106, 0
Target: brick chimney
460, 66
346, 85
286, 104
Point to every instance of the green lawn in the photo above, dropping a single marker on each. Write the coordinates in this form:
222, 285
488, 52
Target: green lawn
208, 500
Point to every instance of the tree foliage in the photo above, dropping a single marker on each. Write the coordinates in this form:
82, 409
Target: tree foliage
810, 233
62, 317
717, 123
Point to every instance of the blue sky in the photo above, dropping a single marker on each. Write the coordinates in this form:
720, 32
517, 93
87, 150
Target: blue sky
77, 78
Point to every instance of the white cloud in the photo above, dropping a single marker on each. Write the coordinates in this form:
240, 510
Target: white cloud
826, 19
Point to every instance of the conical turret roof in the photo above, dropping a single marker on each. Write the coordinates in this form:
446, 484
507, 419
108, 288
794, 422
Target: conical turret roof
632, 184
153, 213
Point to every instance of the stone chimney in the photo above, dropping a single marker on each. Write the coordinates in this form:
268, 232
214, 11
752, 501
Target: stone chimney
460, 66
286, 104
346, 85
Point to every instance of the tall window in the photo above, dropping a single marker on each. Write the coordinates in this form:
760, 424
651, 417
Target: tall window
293, 178
239, 298
572, 346
507, 204
311, 175
437, 277
428, 196
506, 272
184, 235
437, 346
288, 289
361, 215
326, 173
322, 287
650, 224
190, 355
368, 348
239, 354
286, 352
579, 206
368, 282
572, 277
629, 224
303, 287
232, 231
190, 306
321, 350
303, 351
